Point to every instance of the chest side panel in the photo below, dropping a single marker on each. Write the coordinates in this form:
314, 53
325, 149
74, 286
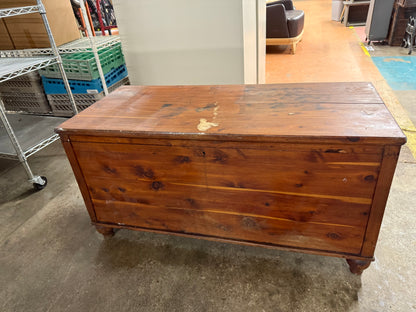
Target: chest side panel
298, 196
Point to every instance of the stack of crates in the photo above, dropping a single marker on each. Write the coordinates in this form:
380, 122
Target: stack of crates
84, 79
25, 94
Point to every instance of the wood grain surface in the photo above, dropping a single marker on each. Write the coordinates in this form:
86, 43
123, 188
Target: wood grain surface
298, 166
246, 228
390, 157
332, 112
306, 198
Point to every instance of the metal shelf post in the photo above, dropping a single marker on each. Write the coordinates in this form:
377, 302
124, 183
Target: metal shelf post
18, 11
42, 12
93, 47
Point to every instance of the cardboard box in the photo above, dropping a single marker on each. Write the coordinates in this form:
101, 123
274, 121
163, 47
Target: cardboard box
5, 40
28, 31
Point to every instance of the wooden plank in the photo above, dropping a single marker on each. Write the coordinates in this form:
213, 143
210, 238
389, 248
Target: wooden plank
287, 112
240, 242
255, 229
328, 175
100, 136
304, 147
297, 93
309, 152
388, 166
257, 123
230, 201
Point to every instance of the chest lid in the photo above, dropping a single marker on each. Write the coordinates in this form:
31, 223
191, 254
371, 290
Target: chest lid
325, 112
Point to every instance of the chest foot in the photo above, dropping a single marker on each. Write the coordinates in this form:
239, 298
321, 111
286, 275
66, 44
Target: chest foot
358, 266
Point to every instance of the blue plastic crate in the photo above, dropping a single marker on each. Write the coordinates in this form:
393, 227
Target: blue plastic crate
56, 86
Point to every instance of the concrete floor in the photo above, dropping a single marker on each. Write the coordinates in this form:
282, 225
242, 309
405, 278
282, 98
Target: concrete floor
52, 259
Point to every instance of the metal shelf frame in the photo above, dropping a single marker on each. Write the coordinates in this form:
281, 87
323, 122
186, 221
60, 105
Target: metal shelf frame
79, 45
11, 68
90, 44
14, 67
18, 11
41, 145
32, 132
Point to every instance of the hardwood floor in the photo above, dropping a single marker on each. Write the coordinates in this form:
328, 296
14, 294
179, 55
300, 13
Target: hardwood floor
329, 51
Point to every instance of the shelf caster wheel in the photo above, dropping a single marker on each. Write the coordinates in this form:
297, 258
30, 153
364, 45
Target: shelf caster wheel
40, 185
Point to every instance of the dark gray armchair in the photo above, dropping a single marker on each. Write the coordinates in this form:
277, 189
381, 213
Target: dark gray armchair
284, 24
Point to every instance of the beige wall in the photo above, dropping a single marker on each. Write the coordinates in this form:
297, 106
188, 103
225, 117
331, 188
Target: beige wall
182, 42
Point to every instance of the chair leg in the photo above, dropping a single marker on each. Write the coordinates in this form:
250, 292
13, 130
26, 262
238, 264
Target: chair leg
293, 47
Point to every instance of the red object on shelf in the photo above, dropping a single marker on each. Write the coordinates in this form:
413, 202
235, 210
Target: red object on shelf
100, 18
89, 18
83, 27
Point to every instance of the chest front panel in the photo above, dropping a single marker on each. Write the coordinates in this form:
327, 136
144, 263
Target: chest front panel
300, 195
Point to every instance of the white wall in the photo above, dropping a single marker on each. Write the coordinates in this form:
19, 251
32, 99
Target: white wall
254, 34
261, 41
182, 41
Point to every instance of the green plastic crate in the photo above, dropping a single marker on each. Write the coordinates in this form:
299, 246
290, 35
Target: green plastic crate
82, 66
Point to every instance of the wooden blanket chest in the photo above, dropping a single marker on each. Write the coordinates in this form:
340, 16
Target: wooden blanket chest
303, 167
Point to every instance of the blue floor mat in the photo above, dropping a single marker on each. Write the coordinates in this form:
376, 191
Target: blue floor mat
399, 71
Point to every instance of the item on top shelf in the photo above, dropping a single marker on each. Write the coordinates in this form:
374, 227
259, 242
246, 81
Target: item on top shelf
102, 14
56, 86
83, 66
61, 106
28, 31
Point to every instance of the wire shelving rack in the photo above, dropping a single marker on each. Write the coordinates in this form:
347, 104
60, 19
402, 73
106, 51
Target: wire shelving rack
23, 135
